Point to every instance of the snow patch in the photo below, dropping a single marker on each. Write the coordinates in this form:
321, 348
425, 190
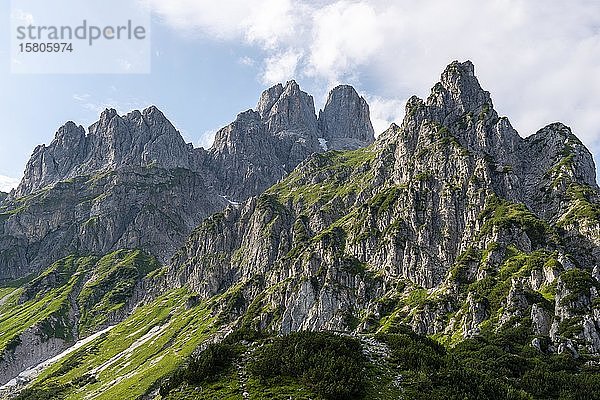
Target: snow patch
233, 203
155, 331
323, 143
31, 373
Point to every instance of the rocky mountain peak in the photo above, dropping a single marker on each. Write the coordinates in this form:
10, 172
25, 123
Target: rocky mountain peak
345, 120
268, 98
136, 139
458, 107
106, 118
459, 91
154, 116
69, 135
264, 145
555, 149
108, 114
293, 110
279, 92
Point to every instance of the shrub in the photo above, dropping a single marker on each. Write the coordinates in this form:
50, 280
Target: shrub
207, 366
330, 364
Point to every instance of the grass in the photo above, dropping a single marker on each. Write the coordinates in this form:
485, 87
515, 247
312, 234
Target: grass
135, 354
111, 285
501, 213
47, 309
582, 208
45, 301
343, 172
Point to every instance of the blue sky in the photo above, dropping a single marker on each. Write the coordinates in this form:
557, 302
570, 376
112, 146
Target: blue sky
540, 59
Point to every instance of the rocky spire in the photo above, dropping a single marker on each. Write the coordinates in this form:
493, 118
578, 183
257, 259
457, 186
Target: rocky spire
345, 121
288, 108
136, 139
459, 91
52, 162
268, 98
459, 107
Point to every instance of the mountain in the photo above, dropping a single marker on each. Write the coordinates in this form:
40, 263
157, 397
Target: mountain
449, 258
131, 182
451, 205
261, 147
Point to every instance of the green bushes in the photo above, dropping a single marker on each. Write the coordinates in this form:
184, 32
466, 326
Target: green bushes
333, 366
206, 367
507, 358
330, 365
431, 372
53, 392
411, 354
504, 214
495, 366
501, 365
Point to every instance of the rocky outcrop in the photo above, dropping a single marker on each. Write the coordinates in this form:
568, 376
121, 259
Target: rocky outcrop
131, 181
144, 208
260, 147
138, 139
436, 225
29, 350
345, 120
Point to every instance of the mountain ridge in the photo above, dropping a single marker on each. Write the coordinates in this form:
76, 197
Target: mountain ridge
449, 226
125, 168
463, 190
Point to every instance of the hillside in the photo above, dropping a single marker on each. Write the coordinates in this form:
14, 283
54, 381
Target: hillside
449, 258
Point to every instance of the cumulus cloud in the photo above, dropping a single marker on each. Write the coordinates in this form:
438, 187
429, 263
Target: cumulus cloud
383, 111
281, 67
207, 139
7, 183
539, 59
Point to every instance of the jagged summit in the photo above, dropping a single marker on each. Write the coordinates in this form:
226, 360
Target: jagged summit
451, 224
283, 131
135, 140
459, 89
141, 185
345, 120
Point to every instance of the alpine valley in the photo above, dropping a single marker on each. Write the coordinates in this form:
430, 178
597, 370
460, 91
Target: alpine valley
301, 258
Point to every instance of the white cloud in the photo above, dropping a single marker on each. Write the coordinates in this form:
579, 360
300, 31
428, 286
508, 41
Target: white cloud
281, 67
384, 111
81, 97
207, 138
7, 183
540, 59
345, 36
247, 61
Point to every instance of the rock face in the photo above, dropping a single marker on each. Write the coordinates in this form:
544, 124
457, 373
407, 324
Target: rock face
451, 223
131, 181
345, 122
138, 139
261, 147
